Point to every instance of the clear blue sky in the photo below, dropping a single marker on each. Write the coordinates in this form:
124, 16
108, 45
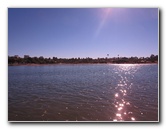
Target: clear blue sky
82, 32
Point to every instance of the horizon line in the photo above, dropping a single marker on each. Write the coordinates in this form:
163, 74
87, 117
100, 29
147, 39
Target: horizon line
118, 56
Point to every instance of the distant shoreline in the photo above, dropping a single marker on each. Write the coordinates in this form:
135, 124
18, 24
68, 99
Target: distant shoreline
27, 60
31, 64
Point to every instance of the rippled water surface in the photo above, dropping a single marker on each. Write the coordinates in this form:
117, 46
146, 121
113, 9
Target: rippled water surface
95, 92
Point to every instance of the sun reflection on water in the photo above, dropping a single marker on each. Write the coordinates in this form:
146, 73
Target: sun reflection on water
122, 105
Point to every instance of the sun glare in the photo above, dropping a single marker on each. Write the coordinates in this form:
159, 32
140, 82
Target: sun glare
104, 14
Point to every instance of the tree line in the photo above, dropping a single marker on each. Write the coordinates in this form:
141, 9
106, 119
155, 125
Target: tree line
14, 60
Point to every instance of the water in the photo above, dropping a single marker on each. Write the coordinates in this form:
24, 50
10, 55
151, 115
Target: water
89, 92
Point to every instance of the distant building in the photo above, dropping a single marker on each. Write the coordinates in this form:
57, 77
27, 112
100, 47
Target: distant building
35, 57
16, 56
143, 61
26, 56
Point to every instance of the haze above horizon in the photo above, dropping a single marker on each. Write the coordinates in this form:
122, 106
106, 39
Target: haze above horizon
83, 32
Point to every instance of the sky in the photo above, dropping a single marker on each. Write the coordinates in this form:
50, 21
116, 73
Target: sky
83, 32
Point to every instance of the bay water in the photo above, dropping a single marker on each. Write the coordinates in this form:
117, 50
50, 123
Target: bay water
83, 92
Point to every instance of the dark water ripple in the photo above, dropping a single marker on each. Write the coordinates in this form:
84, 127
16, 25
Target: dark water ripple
83, 93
